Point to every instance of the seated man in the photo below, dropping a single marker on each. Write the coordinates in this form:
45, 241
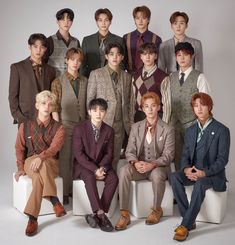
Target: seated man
37, 144
93, 154
203, 161
150, 151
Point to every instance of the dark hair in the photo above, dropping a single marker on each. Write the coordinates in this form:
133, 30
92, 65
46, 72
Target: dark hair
98, 102
205, 100
148, 47
70, 52
114, 45
143, 9
103, 11
60, 14
184, 46
177, 14
37, 36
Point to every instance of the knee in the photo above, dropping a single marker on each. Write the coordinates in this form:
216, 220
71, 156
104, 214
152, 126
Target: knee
125, 172
158, 177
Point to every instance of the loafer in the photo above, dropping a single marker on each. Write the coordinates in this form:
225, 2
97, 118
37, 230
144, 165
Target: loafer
92, 220
123, 221
59, 210
154, 217
181, 233
31, 228
104, 223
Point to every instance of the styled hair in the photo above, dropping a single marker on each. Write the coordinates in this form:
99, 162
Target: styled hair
149, 48
98, 102
70, 52
60, 14
37, 36
106, 11
185, 47
177, 14
143, 9
114, 45
150, 95
205, 100
45, 95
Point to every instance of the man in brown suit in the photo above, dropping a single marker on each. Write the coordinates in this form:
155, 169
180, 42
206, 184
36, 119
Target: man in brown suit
27, 78
149, 152
37, 144
93, 152
114, 85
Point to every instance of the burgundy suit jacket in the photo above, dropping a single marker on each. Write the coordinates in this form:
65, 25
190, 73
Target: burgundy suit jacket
91, 155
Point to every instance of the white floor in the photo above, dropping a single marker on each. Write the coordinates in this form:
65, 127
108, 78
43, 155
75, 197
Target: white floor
74, 230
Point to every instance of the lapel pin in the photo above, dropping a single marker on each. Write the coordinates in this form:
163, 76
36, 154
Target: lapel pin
212, 133
160, 138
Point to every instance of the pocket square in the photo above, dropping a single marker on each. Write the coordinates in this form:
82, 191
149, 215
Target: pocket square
160, 138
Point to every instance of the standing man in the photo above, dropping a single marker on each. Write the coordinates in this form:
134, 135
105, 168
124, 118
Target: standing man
203, 161
141, 35
37, 144
93, 46
59, 43
27, 78
93, 152
149, 153
114, 85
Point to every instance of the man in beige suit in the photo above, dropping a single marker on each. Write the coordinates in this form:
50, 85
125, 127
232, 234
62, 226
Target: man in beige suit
149, 152
113, 85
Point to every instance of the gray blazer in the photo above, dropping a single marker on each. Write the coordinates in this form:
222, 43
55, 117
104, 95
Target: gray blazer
164, 142
167, 61
100, 86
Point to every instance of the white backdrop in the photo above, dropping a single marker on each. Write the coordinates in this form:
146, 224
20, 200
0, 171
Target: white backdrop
211, 21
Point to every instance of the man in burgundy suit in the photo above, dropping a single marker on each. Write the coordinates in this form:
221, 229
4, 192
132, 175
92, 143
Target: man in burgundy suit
93, 154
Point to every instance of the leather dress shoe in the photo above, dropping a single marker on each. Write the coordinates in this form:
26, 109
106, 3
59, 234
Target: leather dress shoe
154, 217
181, 233
123, 221
59, 210
31, 228
92, 220
104, 223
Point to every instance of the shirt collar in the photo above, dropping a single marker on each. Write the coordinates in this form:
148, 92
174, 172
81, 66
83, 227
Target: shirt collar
60, 37
45, 123
186, 73
111, 71
150, 71
205, 125
71, 77
151, 125
142, 34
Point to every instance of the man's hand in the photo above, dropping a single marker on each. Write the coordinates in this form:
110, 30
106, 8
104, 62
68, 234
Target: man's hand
18, 174
36, 163
193, 173
144, 167
100, 173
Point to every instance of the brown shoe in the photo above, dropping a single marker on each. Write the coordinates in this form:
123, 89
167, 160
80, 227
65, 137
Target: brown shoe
181, 233
31, 228
59, 210
123, 221
154, 217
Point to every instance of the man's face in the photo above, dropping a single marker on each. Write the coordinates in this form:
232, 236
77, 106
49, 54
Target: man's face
148, 58
103, 23
44, 107
150, 108
37, 50
65, 23
141, 21
73, 63
179, 26
183, 59
114, 57
97, 114
201, 111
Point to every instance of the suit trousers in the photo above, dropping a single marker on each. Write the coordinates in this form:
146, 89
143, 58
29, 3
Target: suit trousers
189, 211
111, 182
43, 183
158, 176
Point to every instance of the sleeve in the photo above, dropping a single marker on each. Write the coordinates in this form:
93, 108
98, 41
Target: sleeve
57, 90
166, 99
50, 49
20, 148
84, 66
161, 59
199, 57
185, 161
131, 149
91, 87
203, 85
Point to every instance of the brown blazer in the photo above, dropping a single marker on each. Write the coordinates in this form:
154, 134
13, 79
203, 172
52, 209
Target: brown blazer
91, 155
23, 88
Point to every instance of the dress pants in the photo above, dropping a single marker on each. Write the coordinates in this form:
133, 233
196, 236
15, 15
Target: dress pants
158, 176
43, 183
189, 211
111, 182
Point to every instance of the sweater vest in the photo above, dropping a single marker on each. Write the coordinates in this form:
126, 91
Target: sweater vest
181, 96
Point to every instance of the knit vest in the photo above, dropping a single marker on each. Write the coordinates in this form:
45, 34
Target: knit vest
57, 59
38, 139
181, 96
148, 153
70, 110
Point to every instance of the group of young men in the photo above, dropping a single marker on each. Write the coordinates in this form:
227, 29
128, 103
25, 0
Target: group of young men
87, 100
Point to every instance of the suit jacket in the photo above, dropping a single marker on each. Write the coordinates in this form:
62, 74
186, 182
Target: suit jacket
89, 154
167, 60
100, 85
23, 88
90, 47
164, 142
216, 152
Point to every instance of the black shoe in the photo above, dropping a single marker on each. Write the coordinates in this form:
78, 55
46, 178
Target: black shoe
92, 220
104, 223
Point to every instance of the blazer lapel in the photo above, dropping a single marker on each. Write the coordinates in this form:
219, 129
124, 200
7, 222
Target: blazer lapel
100, 141
31, 74
141, 136
109, 83
90, 139
194, 141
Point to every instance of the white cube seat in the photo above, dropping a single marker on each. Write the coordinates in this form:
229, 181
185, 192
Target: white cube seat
81, 204
22, 190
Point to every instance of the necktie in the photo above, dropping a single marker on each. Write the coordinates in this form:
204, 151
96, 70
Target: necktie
75, 87
181, 78
149, 135
114, 77
138, 61
37, 69
102, 52
145, 75
96, 133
